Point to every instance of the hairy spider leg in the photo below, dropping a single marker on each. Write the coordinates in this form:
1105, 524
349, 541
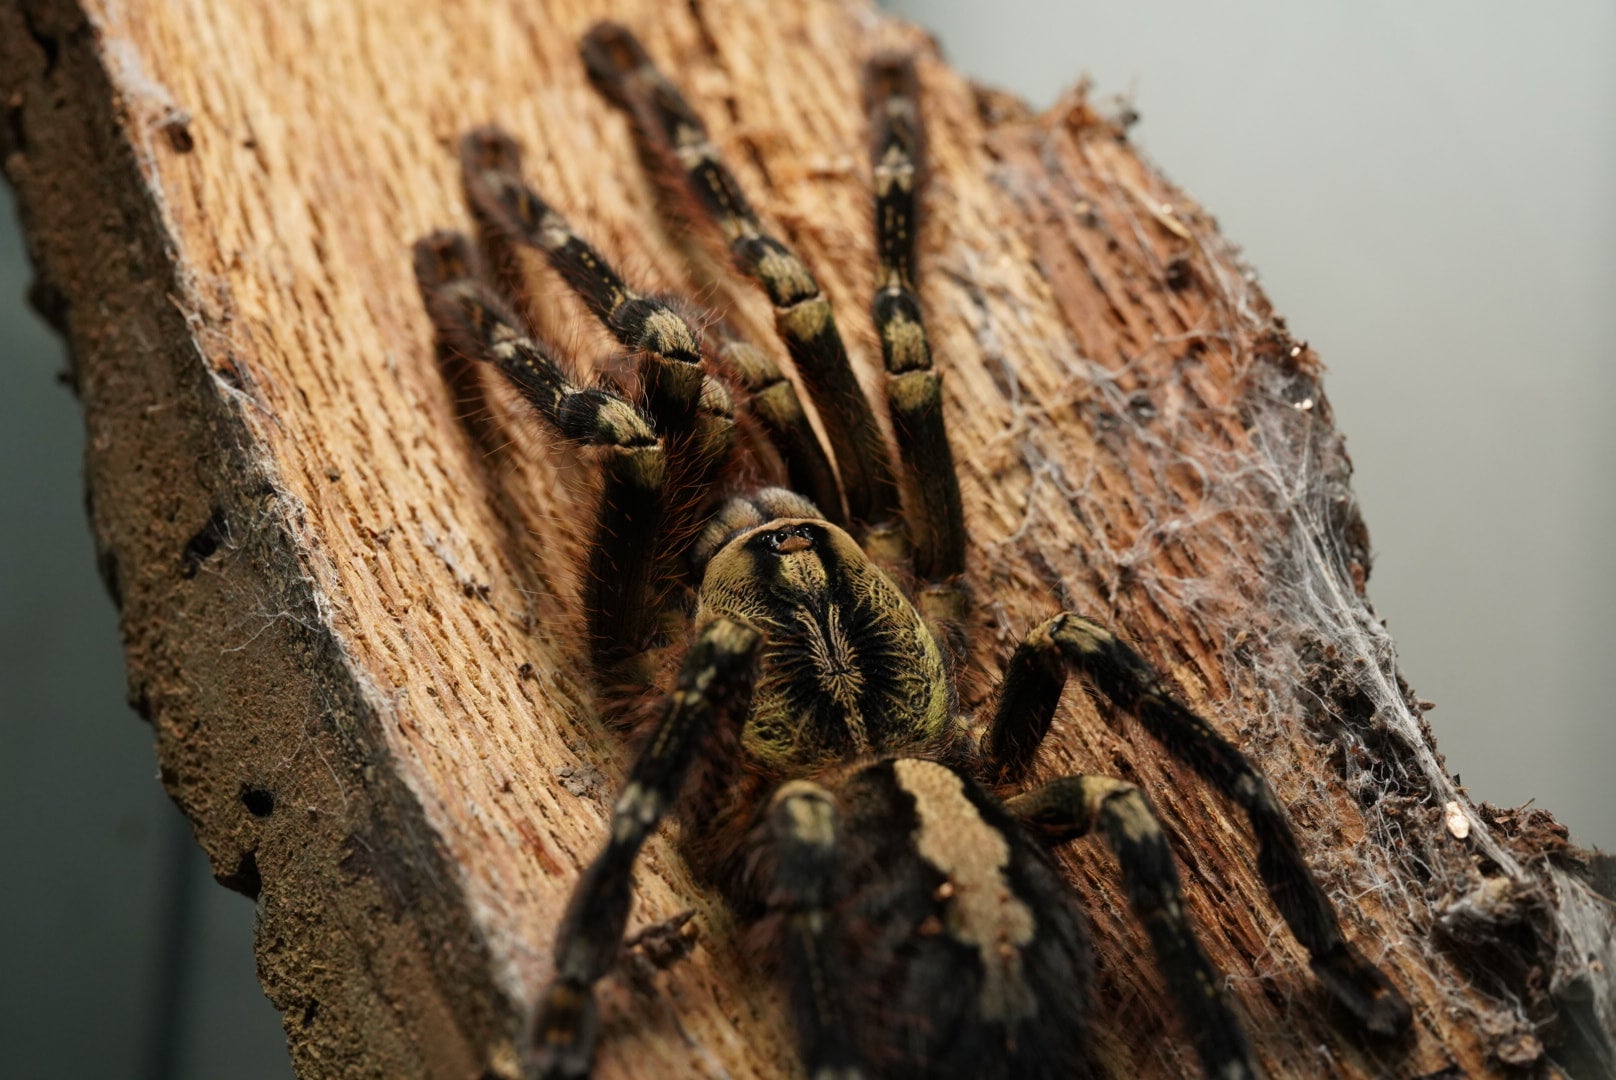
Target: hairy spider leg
914, 387
692, 410
671, 132
1069, 807
506, 206
803, 830
1033, 681
471, 319
713, 688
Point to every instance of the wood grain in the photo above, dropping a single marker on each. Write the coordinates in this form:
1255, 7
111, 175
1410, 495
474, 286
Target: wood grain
352, 619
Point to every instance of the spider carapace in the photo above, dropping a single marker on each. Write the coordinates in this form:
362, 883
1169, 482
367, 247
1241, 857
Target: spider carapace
811, 738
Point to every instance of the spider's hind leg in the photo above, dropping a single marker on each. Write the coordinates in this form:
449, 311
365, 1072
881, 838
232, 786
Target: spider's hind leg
803, 833
914, 387
1032, 686
1071, 806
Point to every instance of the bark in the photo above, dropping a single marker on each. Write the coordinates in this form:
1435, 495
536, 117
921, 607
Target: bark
352, 620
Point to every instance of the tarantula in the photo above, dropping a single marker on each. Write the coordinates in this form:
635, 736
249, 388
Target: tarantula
811, 738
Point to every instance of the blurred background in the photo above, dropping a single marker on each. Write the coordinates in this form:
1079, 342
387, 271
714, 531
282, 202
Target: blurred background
1426, 192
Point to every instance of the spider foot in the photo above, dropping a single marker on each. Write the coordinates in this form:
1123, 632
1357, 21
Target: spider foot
564, 1032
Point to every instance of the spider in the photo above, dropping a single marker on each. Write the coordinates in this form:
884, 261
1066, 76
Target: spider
900, 878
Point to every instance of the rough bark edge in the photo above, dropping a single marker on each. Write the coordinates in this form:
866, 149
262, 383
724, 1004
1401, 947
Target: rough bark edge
1507, 900
1501, 896
189, 523
1512, 929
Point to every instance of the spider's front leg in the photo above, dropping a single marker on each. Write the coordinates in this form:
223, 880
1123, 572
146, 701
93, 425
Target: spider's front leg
674, 138
1032, 686
690, 409
472, 320
713, 688
672, 135
914, 387
511, 215
773, 400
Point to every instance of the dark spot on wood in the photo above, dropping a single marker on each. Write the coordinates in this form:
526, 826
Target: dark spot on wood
204, 544
13, 136
1179, 274
260, 802
47, 42
106, 562
50, 303
177, 126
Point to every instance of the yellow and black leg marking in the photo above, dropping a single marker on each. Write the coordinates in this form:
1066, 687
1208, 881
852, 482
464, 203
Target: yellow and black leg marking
803, 830
1032, 687
696, 459
670, 132
693, 411
1070, 807
511, 213
914, 387
714, 688
471, 320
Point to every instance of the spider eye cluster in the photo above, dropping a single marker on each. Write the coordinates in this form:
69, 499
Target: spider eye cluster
789, 540
739, 516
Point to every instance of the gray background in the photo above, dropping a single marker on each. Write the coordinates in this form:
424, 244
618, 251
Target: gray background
1426, 189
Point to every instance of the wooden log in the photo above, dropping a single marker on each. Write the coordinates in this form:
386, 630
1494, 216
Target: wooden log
353, 622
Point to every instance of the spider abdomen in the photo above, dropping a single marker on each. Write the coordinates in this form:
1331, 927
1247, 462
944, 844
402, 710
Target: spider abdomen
959, 952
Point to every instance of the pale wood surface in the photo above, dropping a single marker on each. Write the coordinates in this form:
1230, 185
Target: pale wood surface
355, 626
